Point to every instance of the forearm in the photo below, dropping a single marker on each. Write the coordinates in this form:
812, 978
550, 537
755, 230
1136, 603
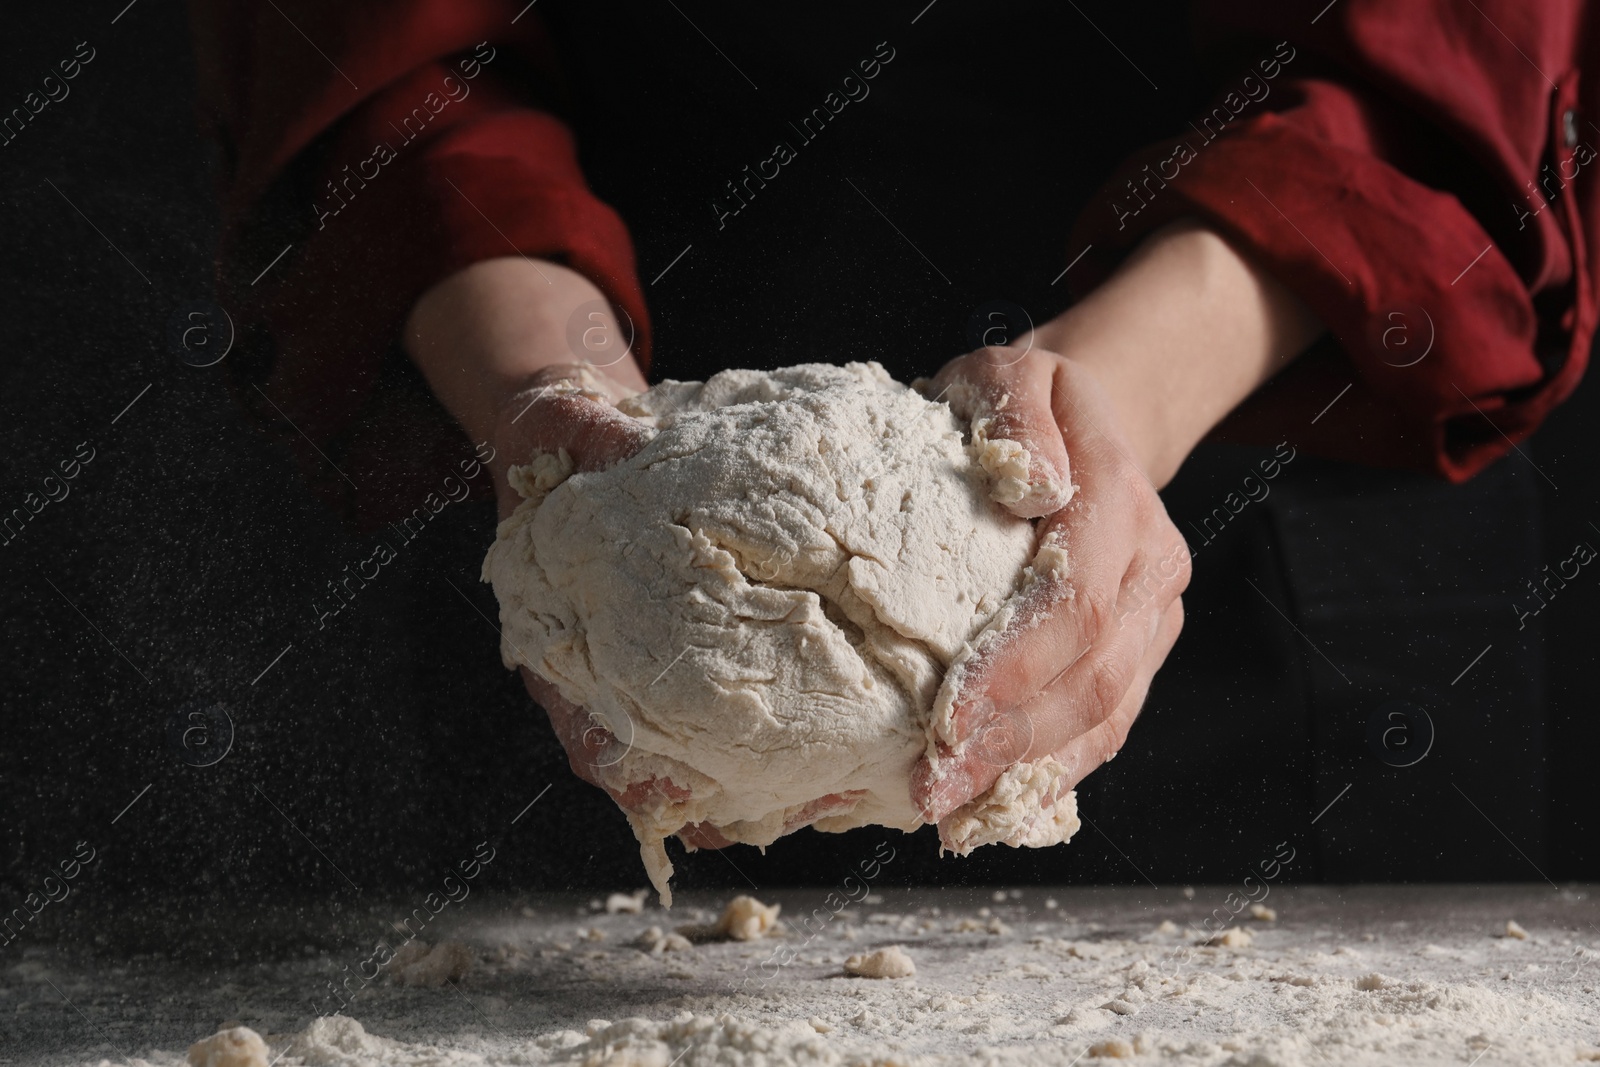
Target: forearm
480, 334
1184, 331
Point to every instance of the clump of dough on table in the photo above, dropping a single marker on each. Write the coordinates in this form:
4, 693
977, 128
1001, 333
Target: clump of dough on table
765, 604
890, 962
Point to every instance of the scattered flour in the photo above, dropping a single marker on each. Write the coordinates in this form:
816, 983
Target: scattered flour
340, 1041
765, 604
1076, 984
890, 962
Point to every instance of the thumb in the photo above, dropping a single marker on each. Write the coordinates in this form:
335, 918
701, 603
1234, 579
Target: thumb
1006, 396
570, 409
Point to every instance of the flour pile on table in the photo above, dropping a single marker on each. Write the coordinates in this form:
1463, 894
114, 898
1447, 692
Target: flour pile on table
763, 604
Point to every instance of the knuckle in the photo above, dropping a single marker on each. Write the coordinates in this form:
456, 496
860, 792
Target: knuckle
1095, 612
1109, 686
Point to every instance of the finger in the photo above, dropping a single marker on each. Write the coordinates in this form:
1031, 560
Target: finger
1084, 754
1006, 396
563, 411
1082, 697
561, 415
1085, 555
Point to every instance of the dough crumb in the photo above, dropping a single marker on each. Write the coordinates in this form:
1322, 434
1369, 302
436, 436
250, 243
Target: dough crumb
1367, 983
626, 903
418, 965
1262, 913
1232, 937
1514, 929
1114, 1049
891, 962
656, 942
744, 919
1018, 810
1167, 927
239, 1046
819, 1025
1188, 892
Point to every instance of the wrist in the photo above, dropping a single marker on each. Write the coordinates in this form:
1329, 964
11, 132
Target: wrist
1178, 337
484, 333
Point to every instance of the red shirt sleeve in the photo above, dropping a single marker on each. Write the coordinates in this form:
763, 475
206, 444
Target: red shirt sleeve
380, 147
1417, 173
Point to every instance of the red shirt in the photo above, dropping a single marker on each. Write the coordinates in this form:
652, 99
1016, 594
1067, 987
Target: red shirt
1418, 173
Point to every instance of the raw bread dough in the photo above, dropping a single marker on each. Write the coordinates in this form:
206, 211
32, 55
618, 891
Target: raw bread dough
1028, 805
657, 942
238, 1046
890, 962
629, 903
763, 604
747, 919
744, 919
418, 965
1232, 937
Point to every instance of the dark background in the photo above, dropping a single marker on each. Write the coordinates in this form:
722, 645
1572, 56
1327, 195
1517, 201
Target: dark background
385, 746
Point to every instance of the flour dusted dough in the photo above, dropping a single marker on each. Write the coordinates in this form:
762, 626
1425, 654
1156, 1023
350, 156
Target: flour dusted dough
763, 603
238, 1046
1019, 809
890, 962
418, 964
747, 919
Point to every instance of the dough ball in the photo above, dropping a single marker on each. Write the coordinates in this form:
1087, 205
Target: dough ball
891, 962
238, 1046
416, 964
763, 603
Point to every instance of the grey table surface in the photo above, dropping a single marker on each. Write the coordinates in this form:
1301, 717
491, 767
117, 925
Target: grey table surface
1344, 974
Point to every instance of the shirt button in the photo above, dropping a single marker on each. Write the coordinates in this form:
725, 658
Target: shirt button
1569, 127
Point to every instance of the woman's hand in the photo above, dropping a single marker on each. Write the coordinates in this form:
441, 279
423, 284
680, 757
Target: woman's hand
495, 342
567, 408
1148, 363
1069, 674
